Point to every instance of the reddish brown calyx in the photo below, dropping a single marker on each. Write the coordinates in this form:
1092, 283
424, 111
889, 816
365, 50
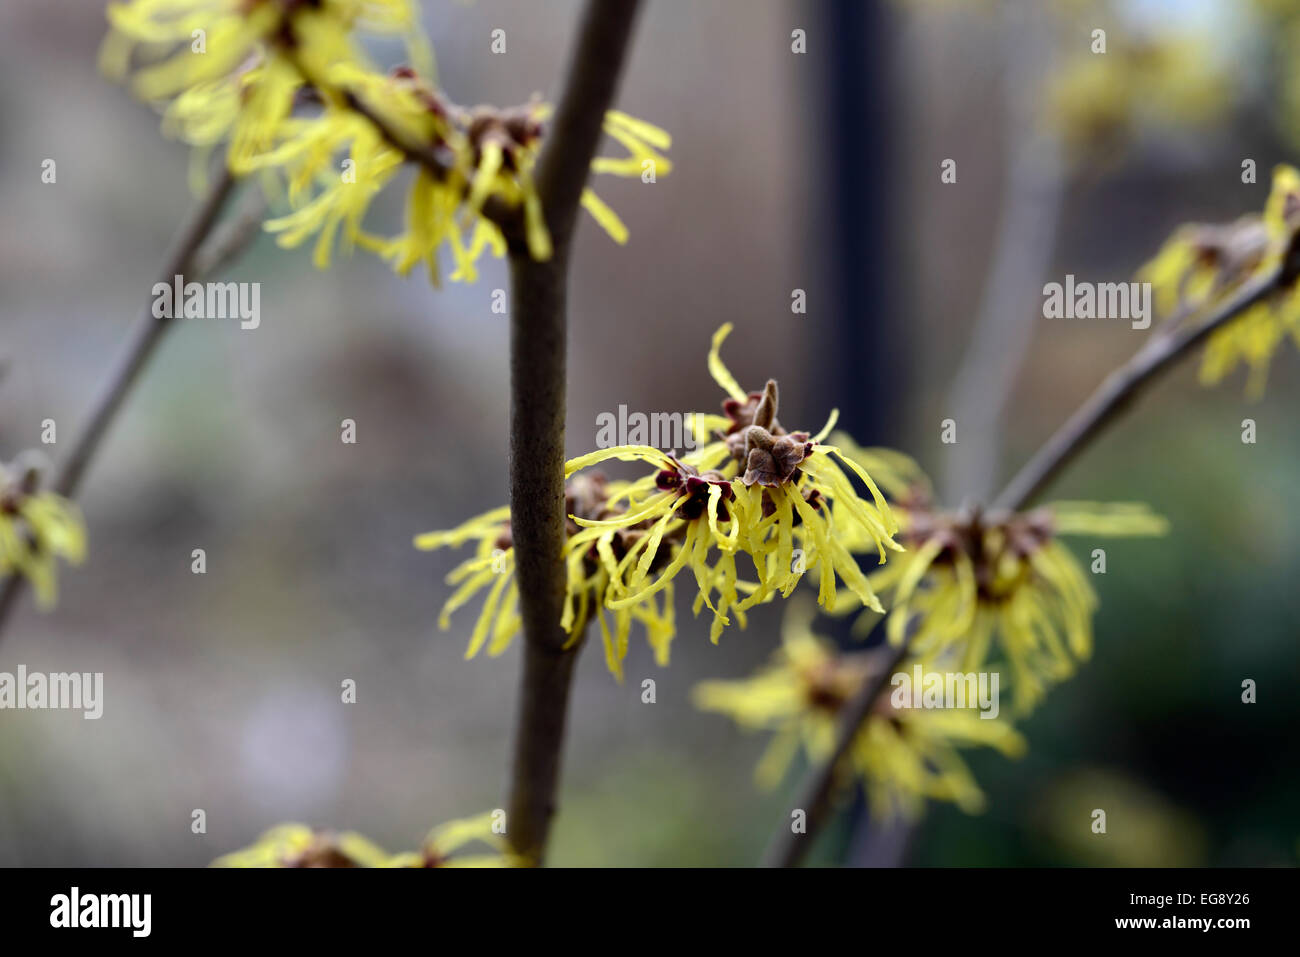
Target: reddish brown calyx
693, 486
514, 129
322, 852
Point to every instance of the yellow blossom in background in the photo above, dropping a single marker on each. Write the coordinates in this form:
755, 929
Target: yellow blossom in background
902, 756
999, 590
487, 158
1202, 264
36, 528
441, 847
297, 845
289, 88
1101, 102
233, 69
750, 489
1280, 26
1168, 78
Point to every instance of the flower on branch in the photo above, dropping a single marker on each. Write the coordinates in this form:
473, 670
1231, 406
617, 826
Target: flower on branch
782, 499
493, 568
36, 527
999, 589
233, 69
1201, 265
903, 756
297, 845
287, 86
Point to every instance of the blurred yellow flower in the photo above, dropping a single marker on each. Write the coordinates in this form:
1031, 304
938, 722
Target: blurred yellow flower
971, 579
234, 68
903, 756
297, 845
37, 527
444, 841
1101, 102
971, 582
1201, 264
290, 88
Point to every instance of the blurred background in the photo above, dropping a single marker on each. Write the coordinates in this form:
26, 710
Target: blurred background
817, 171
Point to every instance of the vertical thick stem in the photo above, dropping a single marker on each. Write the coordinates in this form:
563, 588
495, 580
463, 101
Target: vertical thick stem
538, 322
537, 376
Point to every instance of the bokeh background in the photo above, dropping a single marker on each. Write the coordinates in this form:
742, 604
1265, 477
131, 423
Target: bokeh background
816, 171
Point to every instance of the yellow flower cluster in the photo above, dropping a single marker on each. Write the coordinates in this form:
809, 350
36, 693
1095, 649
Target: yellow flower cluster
903, 756
297, 845
995, 590
36, 527
971, 593
1101, 103
289, 89
784, 499
588, 579
1201, 265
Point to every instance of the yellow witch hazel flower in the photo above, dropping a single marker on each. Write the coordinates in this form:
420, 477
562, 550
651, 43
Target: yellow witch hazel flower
1202, 264
233, 69
903, 756
781, 498
1169, 81
443, 842
971, 580
288, 85
297, 845
36, 527
486, 159
588, 497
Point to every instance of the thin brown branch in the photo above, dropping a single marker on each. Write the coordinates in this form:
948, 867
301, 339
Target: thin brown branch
185, 258
421, 153
787, 847
1122, 386
538, 333
509, 219
1165, 347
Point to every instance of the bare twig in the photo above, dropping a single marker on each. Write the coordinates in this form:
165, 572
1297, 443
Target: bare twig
538, 319
1170, 343
143, 339
1160, 352
421, 153
185, 258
